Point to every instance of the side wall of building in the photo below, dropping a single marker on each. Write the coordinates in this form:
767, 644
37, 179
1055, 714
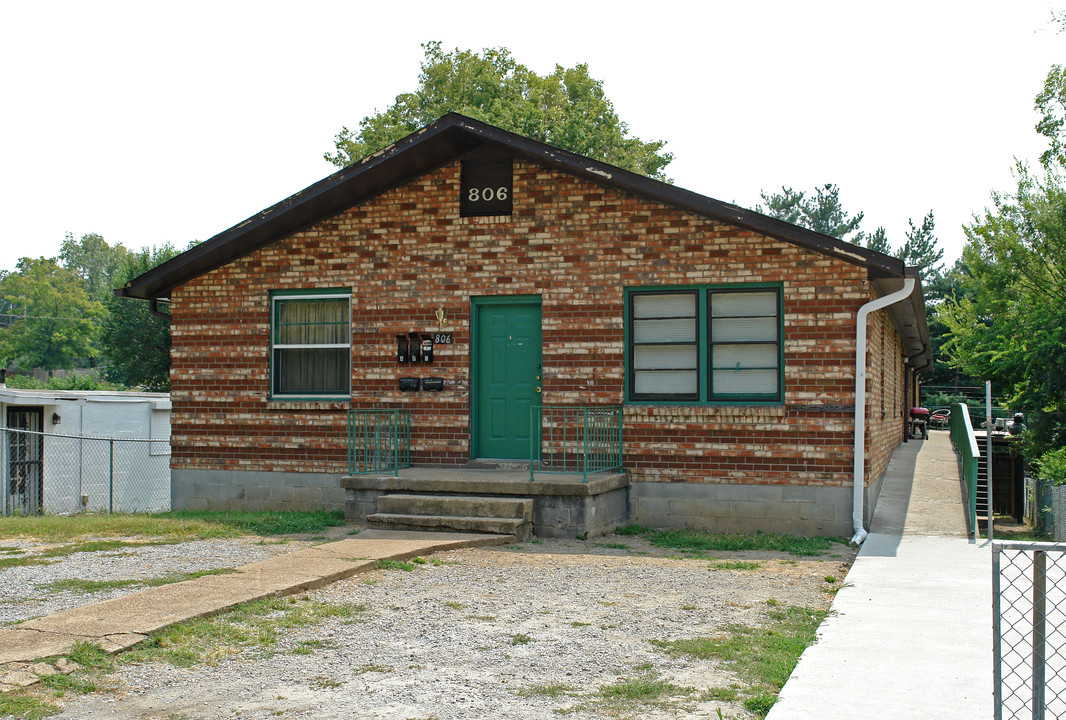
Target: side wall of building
575, 244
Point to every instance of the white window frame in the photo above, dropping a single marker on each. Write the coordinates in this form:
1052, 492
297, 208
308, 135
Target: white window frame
289, 296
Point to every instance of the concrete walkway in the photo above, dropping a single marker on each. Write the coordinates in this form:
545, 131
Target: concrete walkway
911, 631
122, 622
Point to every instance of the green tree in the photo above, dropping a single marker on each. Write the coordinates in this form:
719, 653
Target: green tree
94, 261
566, 108
52, 320
136, 343
1010, 324
821, 212
879, 241
921, 251
1051, 104
941, 288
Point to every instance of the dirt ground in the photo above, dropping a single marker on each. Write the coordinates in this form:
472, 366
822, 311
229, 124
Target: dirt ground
538, 630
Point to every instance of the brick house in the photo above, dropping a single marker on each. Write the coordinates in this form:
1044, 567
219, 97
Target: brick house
539, 277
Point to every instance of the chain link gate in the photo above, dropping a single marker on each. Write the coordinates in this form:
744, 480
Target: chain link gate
1029, 630
62, 474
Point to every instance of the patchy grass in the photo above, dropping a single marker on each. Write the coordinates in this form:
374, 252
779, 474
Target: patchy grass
551, 690
64, 528
23, 561
735, 565
307, 647
267, 522
696, 541
628, 697
36, 702
251, 625
169, 527
324, 682
396, 565
763, 656
521, 639
27, 705
91, 586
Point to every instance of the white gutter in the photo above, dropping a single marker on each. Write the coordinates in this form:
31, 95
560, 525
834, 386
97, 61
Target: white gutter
858, 474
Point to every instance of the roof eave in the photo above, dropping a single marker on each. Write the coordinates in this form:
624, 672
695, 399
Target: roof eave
440, 143
908, 317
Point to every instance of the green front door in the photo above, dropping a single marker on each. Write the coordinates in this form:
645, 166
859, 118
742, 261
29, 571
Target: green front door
506, 374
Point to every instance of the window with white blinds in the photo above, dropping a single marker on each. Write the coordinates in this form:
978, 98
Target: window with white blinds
311, 345
665, 353
705, 344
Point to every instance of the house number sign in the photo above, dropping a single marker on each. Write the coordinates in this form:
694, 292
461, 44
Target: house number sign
485, 184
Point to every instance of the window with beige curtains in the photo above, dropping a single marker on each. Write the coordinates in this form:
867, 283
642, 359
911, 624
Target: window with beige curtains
311, 345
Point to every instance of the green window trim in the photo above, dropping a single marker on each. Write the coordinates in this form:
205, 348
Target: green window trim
310, 345
735, 355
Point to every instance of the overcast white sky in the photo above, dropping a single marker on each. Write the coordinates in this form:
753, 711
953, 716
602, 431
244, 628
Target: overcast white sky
150, 122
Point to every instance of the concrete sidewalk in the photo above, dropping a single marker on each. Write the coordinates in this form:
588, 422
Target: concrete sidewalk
911, 631
122, 622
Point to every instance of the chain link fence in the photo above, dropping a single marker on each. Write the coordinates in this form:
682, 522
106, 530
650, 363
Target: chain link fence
1029, 630
62, 474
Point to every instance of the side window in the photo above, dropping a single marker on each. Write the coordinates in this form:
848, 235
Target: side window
310, 345
664, 346
745, 345
704, 344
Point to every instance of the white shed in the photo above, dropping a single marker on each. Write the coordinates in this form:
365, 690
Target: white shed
69, 451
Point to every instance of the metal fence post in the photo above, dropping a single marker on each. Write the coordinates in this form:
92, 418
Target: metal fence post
997, 636
1039, 632
111, 476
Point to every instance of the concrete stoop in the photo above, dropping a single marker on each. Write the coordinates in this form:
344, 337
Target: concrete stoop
563, 505
454, 513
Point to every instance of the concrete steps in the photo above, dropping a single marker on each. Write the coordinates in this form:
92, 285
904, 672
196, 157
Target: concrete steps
454, 513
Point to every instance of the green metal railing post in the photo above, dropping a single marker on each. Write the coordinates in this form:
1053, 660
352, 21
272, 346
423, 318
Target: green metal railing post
576, 440
962, 437
379, 440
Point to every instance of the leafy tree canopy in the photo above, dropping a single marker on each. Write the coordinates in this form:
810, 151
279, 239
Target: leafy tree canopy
1009, 322
94, 261
566, 108
136, 342
52, 321
1051, 104
920, 249
821, 211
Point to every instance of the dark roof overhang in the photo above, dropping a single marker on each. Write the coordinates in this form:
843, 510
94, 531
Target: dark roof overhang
442, 142
909, 318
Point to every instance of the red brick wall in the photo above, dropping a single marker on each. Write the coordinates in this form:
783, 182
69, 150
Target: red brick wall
885, 387
574, 243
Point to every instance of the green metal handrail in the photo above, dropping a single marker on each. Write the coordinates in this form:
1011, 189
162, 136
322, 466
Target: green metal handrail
965, 443
379, 441
571, 439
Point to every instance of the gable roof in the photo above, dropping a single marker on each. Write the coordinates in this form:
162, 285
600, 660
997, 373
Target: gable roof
440, 143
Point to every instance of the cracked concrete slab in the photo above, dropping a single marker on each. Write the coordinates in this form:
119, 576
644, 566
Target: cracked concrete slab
120, 623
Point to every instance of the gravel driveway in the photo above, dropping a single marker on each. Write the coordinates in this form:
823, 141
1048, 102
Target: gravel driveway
541, 630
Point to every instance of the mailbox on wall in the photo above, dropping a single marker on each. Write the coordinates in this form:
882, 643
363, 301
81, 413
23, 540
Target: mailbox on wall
414, 342
426, 348
403, 349
410, 384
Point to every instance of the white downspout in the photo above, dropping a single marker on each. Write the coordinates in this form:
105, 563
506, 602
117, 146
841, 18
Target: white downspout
858, 474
